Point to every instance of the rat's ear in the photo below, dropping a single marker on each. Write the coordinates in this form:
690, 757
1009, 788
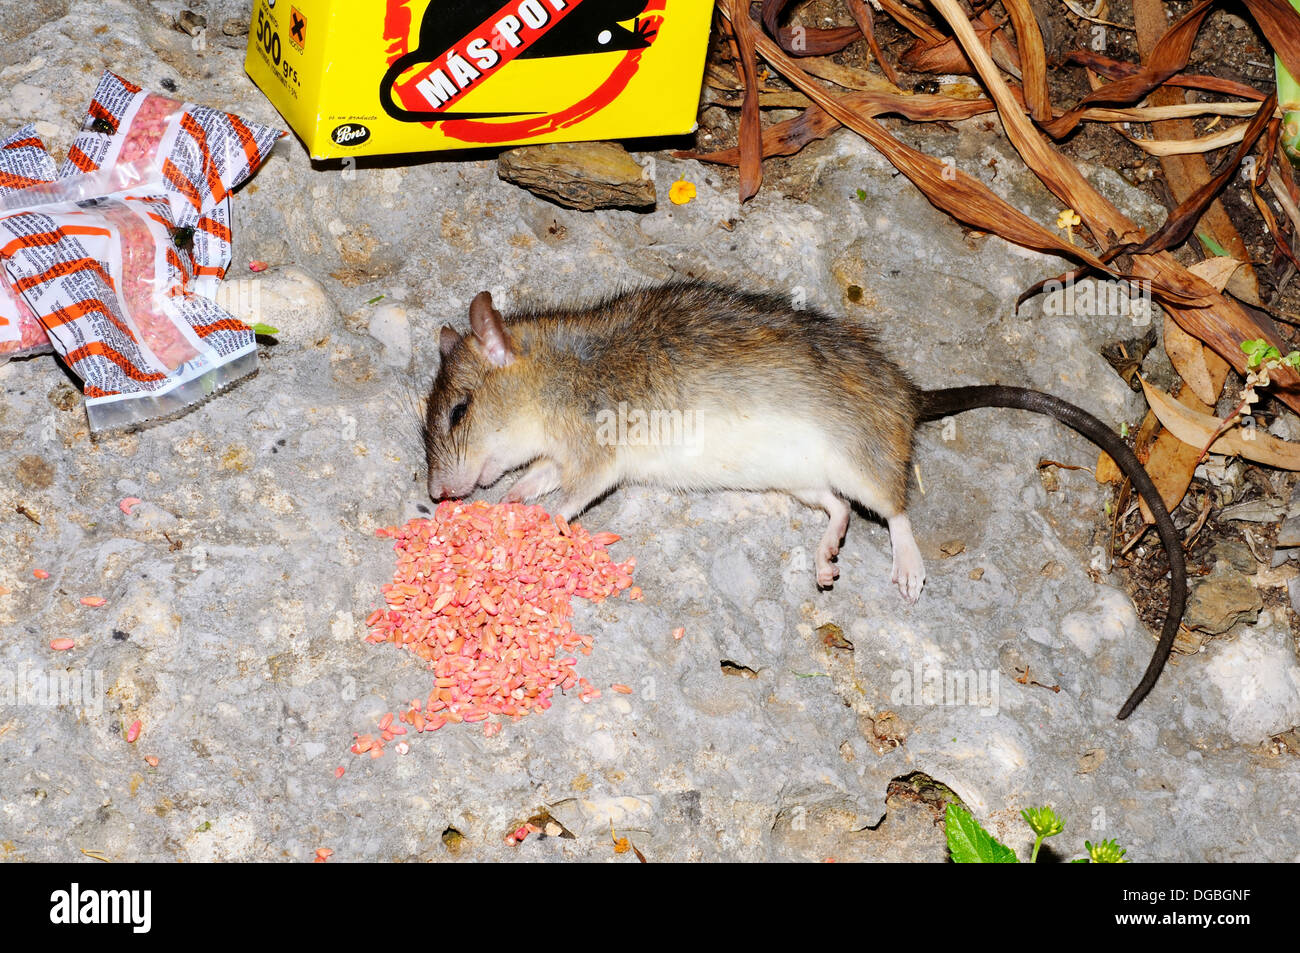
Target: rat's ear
485, 321
447, 340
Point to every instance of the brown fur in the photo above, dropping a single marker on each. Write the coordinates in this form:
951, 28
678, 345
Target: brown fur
684, 344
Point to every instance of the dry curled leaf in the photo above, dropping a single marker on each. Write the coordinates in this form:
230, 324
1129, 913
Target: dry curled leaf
1182, 147
1195, 429
1188, 357
751, 129
1107, 470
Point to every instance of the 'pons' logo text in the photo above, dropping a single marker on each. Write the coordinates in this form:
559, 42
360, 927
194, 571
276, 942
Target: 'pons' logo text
102, 906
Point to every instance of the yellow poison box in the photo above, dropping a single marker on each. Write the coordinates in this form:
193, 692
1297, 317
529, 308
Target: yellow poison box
370, 77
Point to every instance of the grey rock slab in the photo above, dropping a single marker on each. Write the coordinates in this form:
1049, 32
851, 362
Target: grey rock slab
1221, 599
237, 590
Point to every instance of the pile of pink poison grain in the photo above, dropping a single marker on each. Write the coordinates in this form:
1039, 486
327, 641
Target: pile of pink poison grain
482, 592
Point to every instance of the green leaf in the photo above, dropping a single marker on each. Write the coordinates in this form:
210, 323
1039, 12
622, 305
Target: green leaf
376, 299
1213, 247
971, 844
1254, 350
264, 329
862, 195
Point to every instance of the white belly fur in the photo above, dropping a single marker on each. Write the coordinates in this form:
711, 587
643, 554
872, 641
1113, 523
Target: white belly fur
735, 453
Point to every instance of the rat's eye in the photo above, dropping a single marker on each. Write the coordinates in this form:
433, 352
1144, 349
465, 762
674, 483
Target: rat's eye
457, 414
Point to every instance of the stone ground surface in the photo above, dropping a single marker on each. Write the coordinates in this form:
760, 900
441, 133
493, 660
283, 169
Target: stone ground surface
237, 590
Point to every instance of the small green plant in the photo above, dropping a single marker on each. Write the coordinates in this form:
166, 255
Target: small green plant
1044, 823
1260, 354
1213, 247
1107, 852
969, 843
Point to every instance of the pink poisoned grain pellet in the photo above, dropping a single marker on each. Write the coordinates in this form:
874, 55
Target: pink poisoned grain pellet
621, 689
133, 732
483, 594
40, 574
93, 601
62, 645
402, 747
151, 760
128, 504
323, 854
256, 265
679, 632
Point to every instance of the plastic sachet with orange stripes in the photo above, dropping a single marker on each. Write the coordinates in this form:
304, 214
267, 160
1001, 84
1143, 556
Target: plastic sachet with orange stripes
24, 162
120, 255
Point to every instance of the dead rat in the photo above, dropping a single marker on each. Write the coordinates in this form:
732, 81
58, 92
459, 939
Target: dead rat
776, 398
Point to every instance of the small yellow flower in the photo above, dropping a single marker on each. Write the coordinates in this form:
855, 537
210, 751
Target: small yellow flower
1068, 220
681, 192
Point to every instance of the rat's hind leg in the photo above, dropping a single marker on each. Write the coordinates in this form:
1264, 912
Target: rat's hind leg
909, 568
829, 547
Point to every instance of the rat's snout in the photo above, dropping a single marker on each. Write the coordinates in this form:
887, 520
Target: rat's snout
444, 486
439, 491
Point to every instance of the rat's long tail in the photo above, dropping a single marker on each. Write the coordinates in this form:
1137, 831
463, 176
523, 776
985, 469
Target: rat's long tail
954, 400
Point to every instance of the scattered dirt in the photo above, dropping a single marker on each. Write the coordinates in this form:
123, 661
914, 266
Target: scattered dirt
35, 473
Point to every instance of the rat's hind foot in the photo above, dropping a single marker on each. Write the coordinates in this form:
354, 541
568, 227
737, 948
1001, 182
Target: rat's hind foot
829, 547
909, 568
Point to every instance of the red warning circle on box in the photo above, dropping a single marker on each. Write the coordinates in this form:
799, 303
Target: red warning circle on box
447, 63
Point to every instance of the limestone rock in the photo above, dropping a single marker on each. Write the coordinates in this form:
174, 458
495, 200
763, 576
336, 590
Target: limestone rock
581, 175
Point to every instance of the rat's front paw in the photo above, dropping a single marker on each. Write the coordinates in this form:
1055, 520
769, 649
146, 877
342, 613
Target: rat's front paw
540, 479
